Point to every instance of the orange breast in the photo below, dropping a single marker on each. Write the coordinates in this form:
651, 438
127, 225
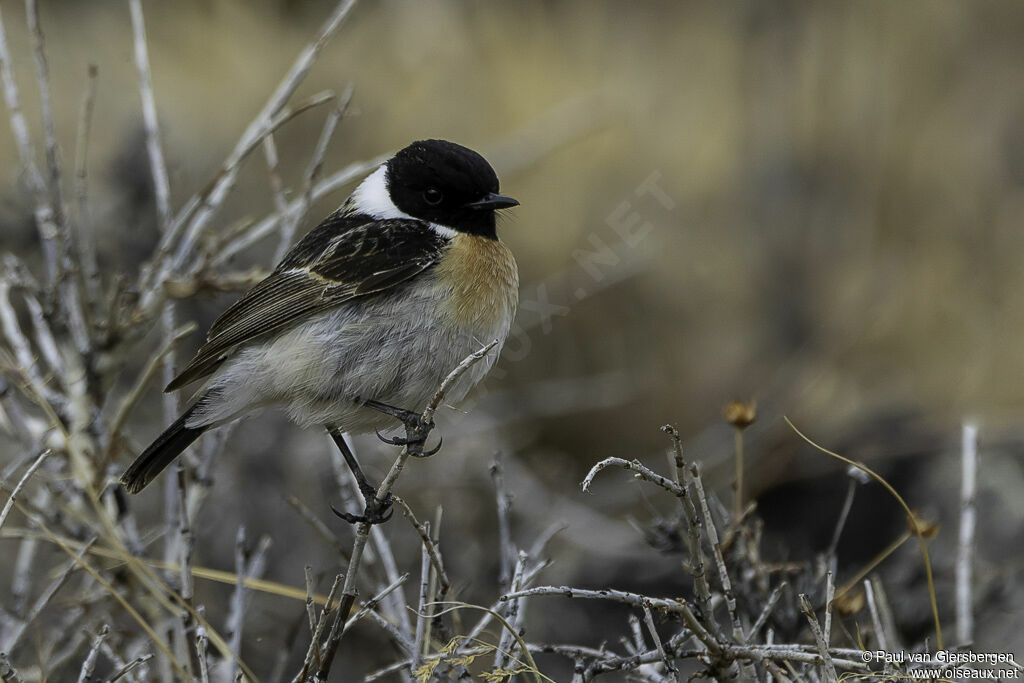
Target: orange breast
483, 279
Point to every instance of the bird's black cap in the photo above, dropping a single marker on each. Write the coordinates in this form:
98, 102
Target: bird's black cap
447, 184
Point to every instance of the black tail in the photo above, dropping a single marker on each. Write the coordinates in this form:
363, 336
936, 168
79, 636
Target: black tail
160, 453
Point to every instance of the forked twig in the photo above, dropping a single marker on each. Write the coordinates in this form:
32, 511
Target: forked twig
348, 593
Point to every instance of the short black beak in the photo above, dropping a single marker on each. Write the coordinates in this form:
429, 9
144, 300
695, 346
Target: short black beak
492, 202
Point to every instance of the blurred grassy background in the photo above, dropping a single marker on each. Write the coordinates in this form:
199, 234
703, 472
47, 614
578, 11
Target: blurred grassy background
844, 245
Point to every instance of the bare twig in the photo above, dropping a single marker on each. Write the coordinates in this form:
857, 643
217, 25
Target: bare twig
363, 528
90, 661
129, 667
276, 184
876, 621
46, 113
85, 238
693, 541
313, 653
131, 399
851, 489
260, 126
44, 212
642, 472
765, 612
21, 483
313, 172
157, 165
826, 659
432, 549
506, 548
420, 645
321, 529
186, 544
670, 666
512, 615
46, 596
672, 605
201, 645
830, 594
27, 364
7, 672
965, 544
268, 225
716, 547
395, 601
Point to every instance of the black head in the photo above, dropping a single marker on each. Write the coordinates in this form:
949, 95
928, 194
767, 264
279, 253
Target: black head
448, 184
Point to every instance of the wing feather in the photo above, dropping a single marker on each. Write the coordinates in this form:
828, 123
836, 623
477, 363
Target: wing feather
344, 258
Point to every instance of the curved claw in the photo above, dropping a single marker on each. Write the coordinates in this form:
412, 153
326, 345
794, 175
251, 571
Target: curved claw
432, 451
368, 516
347, 516
391, 440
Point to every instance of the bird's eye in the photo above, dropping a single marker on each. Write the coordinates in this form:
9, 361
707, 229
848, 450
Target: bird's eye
432, 196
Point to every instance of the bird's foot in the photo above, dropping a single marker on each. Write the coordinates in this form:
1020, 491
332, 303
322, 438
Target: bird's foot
416, 429
376, 511
413, 444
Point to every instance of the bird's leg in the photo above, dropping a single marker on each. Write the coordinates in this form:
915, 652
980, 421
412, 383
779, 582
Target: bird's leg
416, 428
375, 511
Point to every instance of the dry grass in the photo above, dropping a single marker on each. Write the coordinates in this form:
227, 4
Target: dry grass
179, 585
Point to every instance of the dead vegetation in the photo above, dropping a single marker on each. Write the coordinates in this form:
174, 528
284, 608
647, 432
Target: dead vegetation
98, 593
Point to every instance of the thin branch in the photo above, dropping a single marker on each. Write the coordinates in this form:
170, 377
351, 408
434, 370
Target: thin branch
965, 544
44, 212
507, 550
642, 472
512, 615
22, 348
157, 166
46, 596
318, 525
7, 672
46, 113
268, 225
313, 172
369, 609
274, 174
395, 602
830, 594
765, 612
826, 659
716, 547
186, 545
695, 550
673, 605
313, 653
21, 484
131, 399
432, 549
129, 667
90, 661
670, 666
420, 644
880, 636
85, 238
260, 125
348, 594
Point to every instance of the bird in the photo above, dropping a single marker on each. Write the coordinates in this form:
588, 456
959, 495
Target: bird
365, 316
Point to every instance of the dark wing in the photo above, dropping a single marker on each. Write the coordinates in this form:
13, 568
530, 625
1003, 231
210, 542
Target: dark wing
343, 258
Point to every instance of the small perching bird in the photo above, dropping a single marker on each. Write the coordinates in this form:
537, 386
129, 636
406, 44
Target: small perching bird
366, 315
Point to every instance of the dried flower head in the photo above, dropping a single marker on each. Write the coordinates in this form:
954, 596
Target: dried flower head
740, 414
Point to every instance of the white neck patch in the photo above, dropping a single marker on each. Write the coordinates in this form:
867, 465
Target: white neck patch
372, 198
